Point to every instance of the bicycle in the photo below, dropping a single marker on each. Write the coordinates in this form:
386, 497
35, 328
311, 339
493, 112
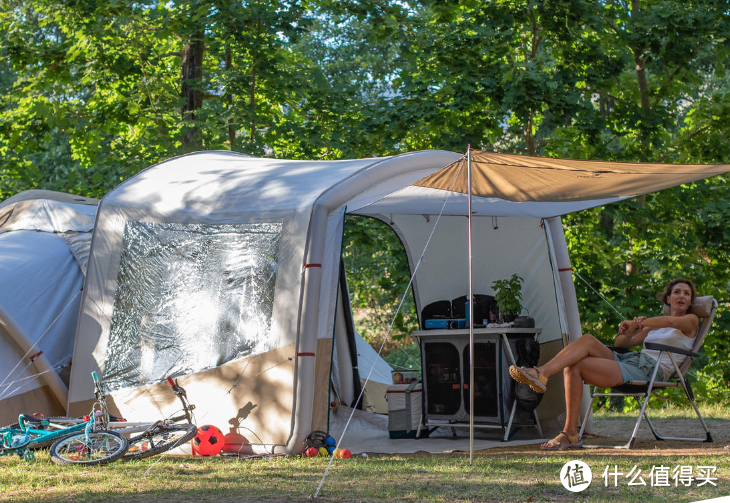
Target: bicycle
145, 439
87, 443
165, 434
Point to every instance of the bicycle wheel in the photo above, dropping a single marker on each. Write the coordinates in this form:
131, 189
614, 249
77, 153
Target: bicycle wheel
22, 440
102, 448
36, 439
161, 439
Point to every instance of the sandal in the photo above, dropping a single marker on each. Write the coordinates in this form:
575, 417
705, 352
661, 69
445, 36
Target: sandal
574, 442
520, 375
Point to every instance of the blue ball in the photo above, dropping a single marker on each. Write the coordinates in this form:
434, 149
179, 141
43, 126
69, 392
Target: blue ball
331, 449
330, 442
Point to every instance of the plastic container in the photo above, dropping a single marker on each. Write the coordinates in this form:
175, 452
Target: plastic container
467, 308
404, 376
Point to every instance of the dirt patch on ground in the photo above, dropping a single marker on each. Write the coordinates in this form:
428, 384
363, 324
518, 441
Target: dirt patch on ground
612, 432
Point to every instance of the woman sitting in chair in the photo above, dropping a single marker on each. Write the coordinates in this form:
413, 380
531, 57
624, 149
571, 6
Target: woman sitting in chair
587, 359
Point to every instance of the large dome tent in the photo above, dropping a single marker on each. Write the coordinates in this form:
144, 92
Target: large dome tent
224, 270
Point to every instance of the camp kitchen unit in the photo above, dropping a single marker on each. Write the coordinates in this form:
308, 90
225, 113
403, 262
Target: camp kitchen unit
446, 375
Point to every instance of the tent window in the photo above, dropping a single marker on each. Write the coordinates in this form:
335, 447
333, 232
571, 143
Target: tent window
190, 297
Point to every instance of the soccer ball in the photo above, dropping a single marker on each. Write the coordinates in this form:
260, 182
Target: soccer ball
208, 442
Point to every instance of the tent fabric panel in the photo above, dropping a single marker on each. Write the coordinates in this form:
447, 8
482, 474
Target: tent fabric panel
98, 304
40, 399
384, 176
370, 364
222, 185
321, 398
330, 273
79, 244
342, 382
559, 296
516, 245
42, 293
249, 398
525, 178
22, 379
47, 216
62, 197
415, 200
190, 297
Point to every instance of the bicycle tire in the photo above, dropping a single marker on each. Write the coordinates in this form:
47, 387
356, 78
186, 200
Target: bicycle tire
105, 447
162, 439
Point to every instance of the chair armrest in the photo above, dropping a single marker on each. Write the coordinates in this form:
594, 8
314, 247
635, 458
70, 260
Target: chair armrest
619, 350
663, 347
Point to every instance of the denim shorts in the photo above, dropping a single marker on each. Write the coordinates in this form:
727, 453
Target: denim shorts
636, 366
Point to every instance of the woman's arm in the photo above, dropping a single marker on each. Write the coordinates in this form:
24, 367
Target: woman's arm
686, 324
630, 334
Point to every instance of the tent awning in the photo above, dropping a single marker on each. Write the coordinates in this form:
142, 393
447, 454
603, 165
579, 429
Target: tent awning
540, 179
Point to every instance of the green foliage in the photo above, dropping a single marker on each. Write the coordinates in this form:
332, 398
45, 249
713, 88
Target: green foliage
508, 295
378, 277
91, 93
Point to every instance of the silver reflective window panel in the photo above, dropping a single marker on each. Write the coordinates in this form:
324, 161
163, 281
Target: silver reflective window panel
190, 297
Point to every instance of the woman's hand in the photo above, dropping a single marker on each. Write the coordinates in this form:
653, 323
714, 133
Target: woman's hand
639, 321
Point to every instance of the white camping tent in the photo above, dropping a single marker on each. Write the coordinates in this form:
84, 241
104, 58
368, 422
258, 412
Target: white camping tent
44, 246
225, 269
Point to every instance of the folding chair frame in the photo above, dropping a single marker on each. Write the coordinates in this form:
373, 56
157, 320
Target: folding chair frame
637, 389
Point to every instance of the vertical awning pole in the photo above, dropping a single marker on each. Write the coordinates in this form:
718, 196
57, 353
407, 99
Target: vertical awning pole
470, 321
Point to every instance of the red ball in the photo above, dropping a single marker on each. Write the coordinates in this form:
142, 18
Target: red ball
311, 452
209, 441
345, 454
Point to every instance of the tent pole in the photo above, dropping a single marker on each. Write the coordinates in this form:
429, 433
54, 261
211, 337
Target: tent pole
470, 321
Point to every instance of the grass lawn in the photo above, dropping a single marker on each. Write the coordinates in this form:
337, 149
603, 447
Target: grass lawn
517, 474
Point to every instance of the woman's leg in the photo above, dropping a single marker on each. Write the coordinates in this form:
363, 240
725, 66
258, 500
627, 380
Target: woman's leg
597, 371
586, 346
583, 347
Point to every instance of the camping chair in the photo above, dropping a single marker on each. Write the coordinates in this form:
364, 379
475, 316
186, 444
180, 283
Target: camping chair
704, 308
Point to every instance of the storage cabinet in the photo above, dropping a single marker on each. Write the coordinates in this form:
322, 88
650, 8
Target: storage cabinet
445, 370
446, 378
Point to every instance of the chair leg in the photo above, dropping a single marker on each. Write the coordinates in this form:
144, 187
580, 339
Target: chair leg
691, 398
508, 428
651, 425
585, 416
537, 423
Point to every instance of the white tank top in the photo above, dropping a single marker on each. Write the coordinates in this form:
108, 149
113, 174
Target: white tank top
670, 337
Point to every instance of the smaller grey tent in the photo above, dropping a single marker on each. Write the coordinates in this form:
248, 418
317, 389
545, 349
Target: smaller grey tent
44, 246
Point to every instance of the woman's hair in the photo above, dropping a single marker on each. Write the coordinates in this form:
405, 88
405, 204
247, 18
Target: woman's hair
675, 282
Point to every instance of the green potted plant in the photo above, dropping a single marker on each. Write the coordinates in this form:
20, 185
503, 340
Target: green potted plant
508, 296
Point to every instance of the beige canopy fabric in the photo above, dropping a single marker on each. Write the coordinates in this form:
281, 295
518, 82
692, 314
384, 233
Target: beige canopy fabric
522, 178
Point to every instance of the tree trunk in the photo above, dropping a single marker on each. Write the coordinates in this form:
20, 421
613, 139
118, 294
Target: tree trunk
642, 80
529, 138
192, 73
229, 100
640, 66
252, 94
